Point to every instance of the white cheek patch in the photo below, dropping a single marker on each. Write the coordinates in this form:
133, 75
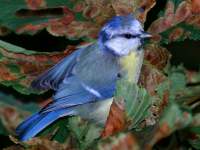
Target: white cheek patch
122, 46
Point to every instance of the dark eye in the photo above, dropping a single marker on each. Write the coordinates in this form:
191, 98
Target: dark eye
119, 75
127, 36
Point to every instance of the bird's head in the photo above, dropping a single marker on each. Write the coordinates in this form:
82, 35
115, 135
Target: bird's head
122, 34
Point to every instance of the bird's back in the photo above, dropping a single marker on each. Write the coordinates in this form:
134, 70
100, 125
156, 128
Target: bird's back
97, 68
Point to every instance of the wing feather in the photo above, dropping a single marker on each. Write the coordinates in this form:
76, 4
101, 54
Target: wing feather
55, 75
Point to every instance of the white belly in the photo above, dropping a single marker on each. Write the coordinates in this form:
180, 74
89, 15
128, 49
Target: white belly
97, 111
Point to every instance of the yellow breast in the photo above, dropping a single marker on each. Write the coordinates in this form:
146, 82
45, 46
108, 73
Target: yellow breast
131, 64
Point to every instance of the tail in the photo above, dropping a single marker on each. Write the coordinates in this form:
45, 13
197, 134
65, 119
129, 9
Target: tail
37, 122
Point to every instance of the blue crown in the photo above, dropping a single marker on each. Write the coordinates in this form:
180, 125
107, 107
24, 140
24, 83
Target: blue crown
113, 25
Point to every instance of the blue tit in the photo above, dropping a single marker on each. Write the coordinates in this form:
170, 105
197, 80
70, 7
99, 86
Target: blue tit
85, 81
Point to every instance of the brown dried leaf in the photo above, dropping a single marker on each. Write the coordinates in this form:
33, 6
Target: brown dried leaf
150, 78
171, 18
39, 144
194, 20
36, 4
182, 20
183, 11
157, 56
116, 120
163, 23
10, 117
162, 131
176, 34
75, 19
146, 5
172, 119
19, 68
120, 142
195, 7
192, 76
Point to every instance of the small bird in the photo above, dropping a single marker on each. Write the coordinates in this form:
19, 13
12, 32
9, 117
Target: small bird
85, 81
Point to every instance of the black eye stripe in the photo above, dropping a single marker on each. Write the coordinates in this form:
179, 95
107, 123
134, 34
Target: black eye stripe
126, 35
129, 36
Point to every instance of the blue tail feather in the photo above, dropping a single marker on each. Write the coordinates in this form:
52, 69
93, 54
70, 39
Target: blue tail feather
25, 124
37, 122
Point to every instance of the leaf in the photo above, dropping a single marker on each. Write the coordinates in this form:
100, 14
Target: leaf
175, 117
64, 17
175, 84
193, 77
194, 132
119, 142
20, 66
12, 112
172, 119
36, 143
57, 131
84, 132
178, 22
116, 121
157, 55
151, 78
195, 142
181, 32
196, 6
194, 139
137, 102
178, 79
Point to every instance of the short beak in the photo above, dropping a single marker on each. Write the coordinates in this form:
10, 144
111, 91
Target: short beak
145, 35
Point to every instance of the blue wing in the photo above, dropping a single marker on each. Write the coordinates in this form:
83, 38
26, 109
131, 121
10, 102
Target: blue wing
74, 93
66, 102
54, 76
92, 79
84, 77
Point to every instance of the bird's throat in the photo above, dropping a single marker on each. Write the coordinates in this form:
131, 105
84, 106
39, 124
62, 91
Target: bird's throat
132, 64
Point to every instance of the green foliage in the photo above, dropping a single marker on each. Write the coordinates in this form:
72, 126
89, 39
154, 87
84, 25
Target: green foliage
9, 100
137, 101
84, 132
13, 19
12, 112
14, 63
175, 118
16, 49
192, 31
177, 22
166, 104
57, 131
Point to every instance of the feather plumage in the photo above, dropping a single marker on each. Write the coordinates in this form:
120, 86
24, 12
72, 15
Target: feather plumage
85, 81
